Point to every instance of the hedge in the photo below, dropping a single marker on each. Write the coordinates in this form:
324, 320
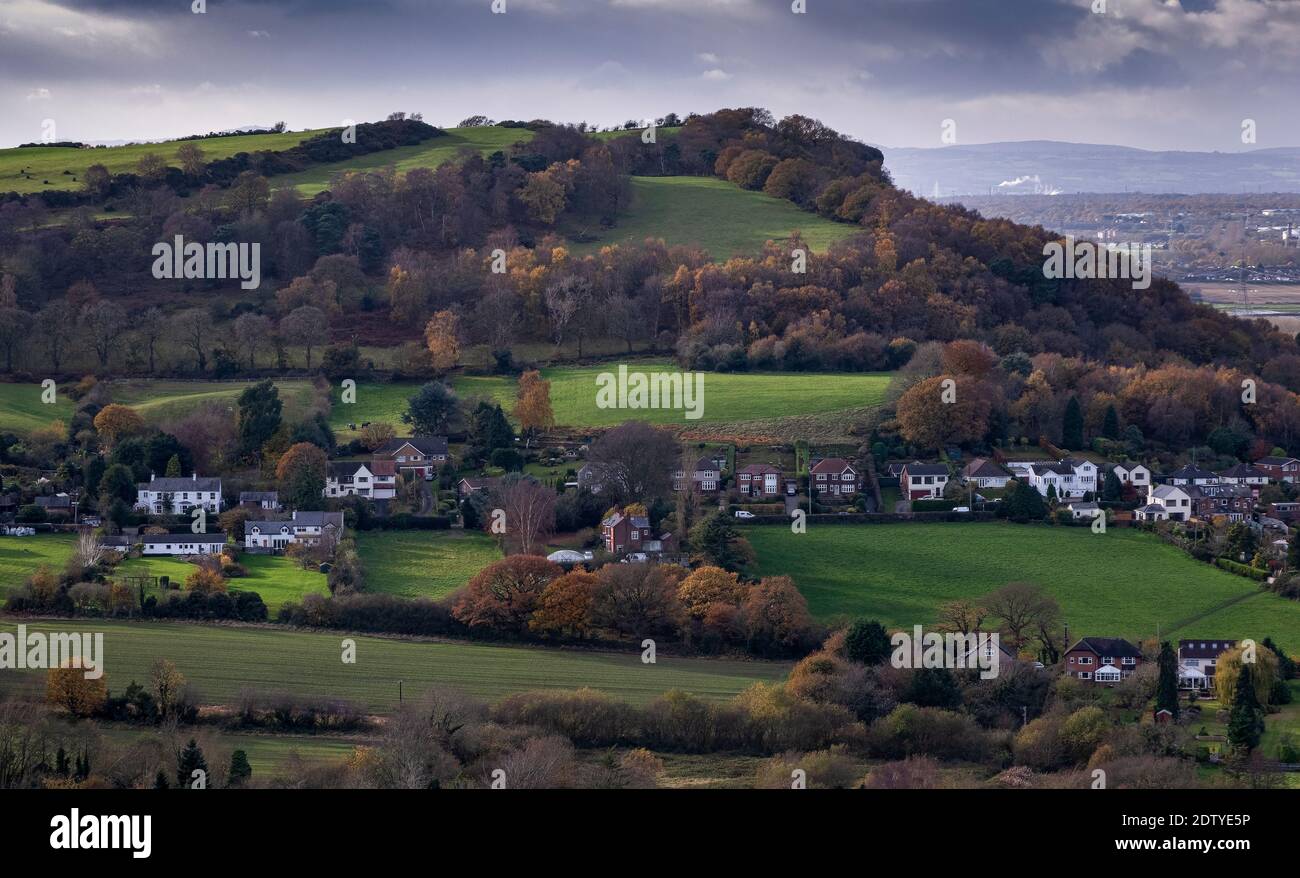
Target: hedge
1241, 569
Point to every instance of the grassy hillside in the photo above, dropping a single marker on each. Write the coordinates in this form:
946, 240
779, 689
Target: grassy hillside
20, 556
728, 397
22, 411
714, 214
220, 661
276, 578
427, 564
43, 163
430, 154
1122, 583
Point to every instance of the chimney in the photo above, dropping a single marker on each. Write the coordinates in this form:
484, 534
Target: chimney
194, 475
151, 477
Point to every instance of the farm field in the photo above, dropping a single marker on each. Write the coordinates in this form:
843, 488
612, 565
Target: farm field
430, 154
21, 409
425, 564
220, 661
276, 578
49, 162
20, 556
1122, 584
712, 214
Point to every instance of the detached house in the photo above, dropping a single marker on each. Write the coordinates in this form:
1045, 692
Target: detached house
923, 481
1166, 502
468, 486
1197, 660
985, 473
625, 534
309, 528
421, 455
1070, 477
1244, 474
836, 476
1191, 475
1134, 474
376, 480
180, 544
1234, 501
707, 476
760, 480
1279, 469
177, 496
260, 500
1102, 659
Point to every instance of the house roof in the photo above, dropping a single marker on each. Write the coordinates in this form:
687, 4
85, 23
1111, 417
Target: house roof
481, 483
432, 445
1059, 469
1163, 491
317, 519
916, 468
983, 468
705, 463
383, 467
1129, 465
1086, 507
193, 483
343, 468
835, 465
258, 496
1243, 471
637, 521
1191, 472
760, 469
1275, 461
207, 539
1152, 507
1107, 646
1204, 648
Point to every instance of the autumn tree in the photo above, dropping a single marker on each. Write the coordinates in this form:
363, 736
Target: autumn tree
376, 434
68, 687
533, 404
934, 414
300, 473
205, 581
775, 616
1228, 673
165, 684
248, 194
441, 337
564, 606
639, 600
503, 595
191, 157
115, 422
708, 585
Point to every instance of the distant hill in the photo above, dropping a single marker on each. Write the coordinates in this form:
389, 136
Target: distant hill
1047, 166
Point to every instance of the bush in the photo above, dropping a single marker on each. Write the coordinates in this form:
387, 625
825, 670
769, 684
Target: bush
928, 731
1241, 569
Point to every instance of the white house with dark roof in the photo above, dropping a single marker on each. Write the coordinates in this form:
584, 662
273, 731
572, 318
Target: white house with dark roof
376, 480
1192, 475
1201, 655
1244, 474
985, 473
923, 481
177, 496
1070, 477
170, 544
309, 528
1176, 503
1130, 473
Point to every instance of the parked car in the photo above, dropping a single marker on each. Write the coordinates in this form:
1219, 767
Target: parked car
744, 513
961, 509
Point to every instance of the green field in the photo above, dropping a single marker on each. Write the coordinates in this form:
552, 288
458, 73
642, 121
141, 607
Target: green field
1120, 584
220, 661
276, 578
430, 154
426, 564
713, 214
21, 409
49, 162
20, 556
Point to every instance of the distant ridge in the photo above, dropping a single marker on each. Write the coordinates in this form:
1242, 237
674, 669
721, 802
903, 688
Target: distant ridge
1039, 167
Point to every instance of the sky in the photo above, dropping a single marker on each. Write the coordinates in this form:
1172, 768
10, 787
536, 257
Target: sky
1154, 74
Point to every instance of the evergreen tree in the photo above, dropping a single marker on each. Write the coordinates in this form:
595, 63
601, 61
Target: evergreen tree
718, 542
1285, 666
240, 770
1245, 723
174, 467
61, 762
1110, 424
1072, 425
1112, 488
488, 430
259, 416
1025, 503
160, 781
933, 687
190, 760
1167, 687
867, 642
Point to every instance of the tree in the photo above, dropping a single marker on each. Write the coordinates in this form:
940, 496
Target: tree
533, 404
240, 771
1020, 606
441, 337
253, 331
190, 155
249, 193
191, 328
639, 600
1167, 687
116, 422
189, 761
867, 642
488, 430
1228, 674
165, 685
716, 541
57, 321
634, 461
933, 413
1024, 503
117, 483
1072, 425
150, 327
1110, 423
308, 326
1112, 488
564, 300
69, 688
1242, 543
1246, 720
564, 606
15, 327
432, 409
301, 476
709, 585
174, 467
529, 508
502, 596
151, 168
376, 434
206, 581
259, 417
775, 615
97, 181
104, 323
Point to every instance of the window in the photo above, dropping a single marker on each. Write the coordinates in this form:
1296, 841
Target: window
1085, 659
1085, 675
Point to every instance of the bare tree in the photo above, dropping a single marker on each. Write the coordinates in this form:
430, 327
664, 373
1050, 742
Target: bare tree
306, 325
58, 324
1022, 608
150, 329
563, 300
529, 508
191, 328
252, 331
634, 461
104, 322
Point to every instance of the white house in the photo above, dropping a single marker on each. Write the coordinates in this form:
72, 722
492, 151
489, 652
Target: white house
171, 544
1069, 476
1244, 474
177, 496
260, 499
1201, 656
1134, 474
1176, 502
1192, 475
376, 480
304, 527
1084, 510
923, 481
985, 473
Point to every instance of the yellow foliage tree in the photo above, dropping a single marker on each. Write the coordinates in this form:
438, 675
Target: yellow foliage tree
68, 687
115, 422
440, 335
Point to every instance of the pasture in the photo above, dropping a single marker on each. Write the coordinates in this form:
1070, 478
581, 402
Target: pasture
220, 661
39, 168
424, 564
711, 214
276, 578
20, 556
1119, 584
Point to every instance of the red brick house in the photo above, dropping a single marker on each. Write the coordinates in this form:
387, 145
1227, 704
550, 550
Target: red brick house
625, 534
1279, 469
834, 476
1102, 659
421, 455
760, 480
923, 481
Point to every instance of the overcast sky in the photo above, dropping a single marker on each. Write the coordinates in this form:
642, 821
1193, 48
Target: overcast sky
1158, 74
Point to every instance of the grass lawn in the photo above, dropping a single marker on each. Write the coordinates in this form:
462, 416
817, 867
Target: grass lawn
49, 162
430, 154
276, 578
220, 661
713, 214
22, 411
427, 563
1120, 584
20, 556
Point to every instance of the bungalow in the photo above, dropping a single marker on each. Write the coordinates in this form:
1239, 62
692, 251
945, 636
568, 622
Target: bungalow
308, 528
177, 496
260, 500
468, 486
923, 481
1151, 512
1102, 659
1279, 469
1244, 474
985, 473
421, 455
171, 544
760, 480
1084, 510
837, 477
1191, 475
1202, 656
707, 476
376, 480
1176, 502
1134, 474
